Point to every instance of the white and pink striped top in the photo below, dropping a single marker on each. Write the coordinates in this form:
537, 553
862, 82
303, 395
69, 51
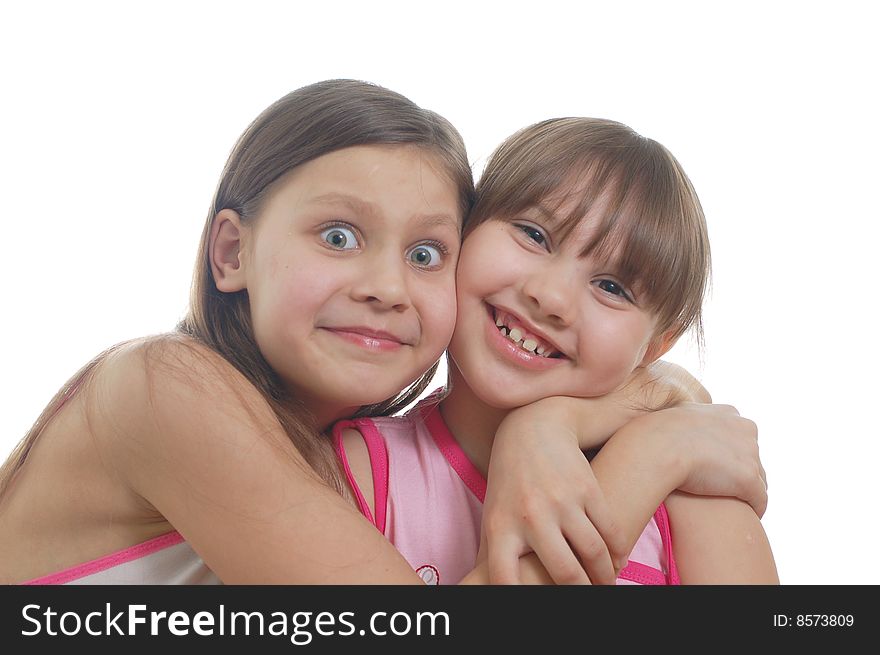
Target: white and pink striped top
429, 499
163, 560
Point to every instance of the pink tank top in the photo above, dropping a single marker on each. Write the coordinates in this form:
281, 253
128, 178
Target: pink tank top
429, 499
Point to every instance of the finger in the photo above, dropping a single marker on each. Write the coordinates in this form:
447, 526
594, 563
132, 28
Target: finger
731, 409
757, 497
761, 507
557, 557
599, 517
759, 501
762, 500
503, 560
592, 552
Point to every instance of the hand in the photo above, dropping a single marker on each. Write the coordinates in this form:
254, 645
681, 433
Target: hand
650, 388
716, 448
542, 497
531, 572
660, 385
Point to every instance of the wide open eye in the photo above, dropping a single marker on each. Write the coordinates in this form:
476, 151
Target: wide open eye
340, 237
426, 255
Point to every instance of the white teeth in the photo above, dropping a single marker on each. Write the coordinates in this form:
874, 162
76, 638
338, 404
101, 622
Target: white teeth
516, 335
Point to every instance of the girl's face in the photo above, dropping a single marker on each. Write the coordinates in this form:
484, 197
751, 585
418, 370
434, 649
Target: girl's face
350, 272
536, 320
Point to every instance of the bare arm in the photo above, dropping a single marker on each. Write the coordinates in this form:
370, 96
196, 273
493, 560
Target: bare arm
719, 541
199, 444
661, 385
708, 450
542, 490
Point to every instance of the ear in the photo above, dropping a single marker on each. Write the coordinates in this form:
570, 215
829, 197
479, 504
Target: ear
659, 346
225, 252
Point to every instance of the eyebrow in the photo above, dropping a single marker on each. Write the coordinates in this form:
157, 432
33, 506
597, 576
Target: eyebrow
439, 220
362, 206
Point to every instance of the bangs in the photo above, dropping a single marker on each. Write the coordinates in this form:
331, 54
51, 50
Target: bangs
651, 233
649, 227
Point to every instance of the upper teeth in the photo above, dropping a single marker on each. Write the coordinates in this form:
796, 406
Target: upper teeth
516, 335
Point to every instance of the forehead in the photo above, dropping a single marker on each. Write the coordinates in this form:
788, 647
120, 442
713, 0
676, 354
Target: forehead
373, 166
396, 181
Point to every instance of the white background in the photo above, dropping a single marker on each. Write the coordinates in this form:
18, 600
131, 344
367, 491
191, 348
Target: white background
116, 122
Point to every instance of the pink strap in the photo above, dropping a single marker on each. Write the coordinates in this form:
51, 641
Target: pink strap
378, 466
648, 575
642, 574
662, 518
453, 453
114, 559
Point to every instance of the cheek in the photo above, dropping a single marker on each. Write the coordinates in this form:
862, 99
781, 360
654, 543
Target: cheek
289, 295
438, 317
480, 277
310, 279
617, 343
470, 263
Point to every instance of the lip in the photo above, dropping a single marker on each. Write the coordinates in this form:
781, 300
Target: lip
368, 338
529, 327
512, 353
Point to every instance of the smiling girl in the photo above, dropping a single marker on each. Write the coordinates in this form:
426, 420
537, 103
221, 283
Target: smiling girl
585, 259
324, 284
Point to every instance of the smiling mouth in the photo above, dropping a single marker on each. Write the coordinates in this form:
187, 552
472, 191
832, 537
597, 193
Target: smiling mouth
368, 339
514, 330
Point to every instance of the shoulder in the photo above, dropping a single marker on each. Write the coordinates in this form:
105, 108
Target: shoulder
152, 363
719, 541
359, 470
366, 442
369, 447
168, 378
165, 403
388, 430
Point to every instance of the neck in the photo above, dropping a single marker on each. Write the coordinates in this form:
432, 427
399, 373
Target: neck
326, 421
472, 422
326, 414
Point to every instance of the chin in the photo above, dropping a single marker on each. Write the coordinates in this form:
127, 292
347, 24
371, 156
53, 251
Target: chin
502, 398
360, 399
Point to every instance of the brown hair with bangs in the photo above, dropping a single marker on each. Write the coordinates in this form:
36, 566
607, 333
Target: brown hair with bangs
649, 222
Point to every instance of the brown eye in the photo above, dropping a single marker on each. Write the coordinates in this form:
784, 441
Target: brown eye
534, 234
615, 289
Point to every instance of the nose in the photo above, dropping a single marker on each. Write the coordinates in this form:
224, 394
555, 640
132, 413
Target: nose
549, 293
382, 282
